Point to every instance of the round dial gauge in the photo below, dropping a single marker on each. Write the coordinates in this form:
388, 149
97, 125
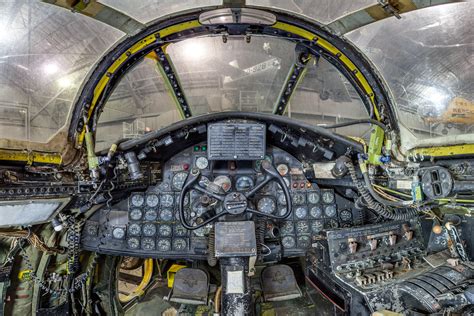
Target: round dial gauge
328, 197
313, 197
151, 215
148, 243
332, 223
152, 200
301, 212
179, 244
134, 229
266, 205
179, 230
202, 163
304, 242
288, 242
315, 212
133, 243
244, 183
317, 226
164, 245
164, 230
178, 180
330, 211
302, 228
166, 215
137, 200
281, 198
282, 169
92, 230
167, 200
345, 215
136, 214
287, 228
118, 233
282, 211
223, 182
258, 163
298, 199
149, 230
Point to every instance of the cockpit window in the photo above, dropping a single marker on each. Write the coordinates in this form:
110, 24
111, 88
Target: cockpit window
233, 75
139, 103
325, 97
45, 54
427, 59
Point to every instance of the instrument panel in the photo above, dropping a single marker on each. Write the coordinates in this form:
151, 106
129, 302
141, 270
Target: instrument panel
147, 223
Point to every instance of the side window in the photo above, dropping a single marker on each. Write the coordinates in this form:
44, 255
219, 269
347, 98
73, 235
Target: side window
140, 103
324, 97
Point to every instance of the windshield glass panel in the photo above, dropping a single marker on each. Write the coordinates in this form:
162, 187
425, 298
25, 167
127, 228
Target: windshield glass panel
427, 59
45, 54
325, 97
147, 11
323, 11
140, 103
232, 76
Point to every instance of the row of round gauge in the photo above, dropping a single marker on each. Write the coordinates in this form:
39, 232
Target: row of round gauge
162, 245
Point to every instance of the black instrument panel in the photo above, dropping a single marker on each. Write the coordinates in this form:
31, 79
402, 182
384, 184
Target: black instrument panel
147, 223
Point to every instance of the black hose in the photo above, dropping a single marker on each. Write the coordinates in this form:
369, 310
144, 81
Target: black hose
382, 210
356, 122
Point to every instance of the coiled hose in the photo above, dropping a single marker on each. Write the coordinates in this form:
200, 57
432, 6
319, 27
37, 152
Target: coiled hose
382, 210
211, 255
260, 236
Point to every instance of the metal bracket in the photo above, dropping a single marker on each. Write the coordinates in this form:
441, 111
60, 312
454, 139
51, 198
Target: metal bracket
297, 72
171, 79
389, 8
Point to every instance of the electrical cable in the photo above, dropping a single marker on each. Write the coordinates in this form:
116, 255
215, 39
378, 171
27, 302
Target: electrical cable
356, 122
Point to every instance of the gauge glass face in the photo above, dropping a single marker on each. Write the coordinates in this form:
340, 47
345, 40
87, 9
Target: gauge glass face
179, 244
152, 200
313, 197
316, 212
266, 205
287, 228
298, 199
244, 183
149, 230
281, 198
137, 200
303, 242
134, 229
164, 245
166, 215
223, 182
317, 226
167, 200
118, 233
302, 227
330, 210
178, 180
202, 163
179, 230
288, 242
133, 243
345, 215
282, 211
332, 223
151, 215
164, 230
328, 197
258, 163
301, 212
136, 214
282, 169
148, 243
